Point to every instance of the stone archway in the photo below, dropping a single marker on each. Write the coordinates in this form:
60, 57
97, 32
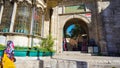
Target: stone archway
78, 41
63, 19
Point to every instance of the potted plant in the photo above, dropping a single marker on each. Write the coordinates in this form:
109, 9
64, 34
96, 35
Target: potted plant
20, 51
46, 46
33, 51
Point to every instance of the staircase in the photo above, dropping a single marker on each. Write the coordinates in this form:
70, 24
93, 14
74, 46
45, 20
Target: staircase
68, 60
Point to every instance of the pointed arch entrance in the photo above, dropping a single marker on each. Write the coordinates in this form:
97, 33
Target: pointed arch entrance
75, 35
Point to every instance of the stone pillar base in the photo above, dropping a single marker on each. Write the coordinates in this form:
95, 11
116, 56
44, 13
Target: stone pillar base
103, 47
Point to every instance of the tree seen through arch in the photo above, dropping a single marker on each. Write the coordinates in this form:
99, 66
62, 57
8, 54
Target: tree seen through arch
74, 37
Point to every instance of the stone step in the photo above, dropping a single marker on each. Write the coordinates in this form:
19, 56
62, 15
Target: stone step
64, 61
71, 54
74, 53
83, 57
71, 63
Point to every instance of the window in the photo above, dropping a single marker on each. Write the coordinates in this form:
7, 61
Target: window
23, 18
37, 21
6, 17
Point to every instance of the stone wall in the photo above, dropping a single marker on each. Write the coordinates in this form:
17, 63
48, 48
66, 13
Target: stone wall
20, 40
111, 17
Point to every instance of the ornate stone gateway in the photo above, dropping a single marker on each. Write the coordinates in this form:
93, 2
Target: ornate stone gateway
75, 35
100, 16
79, 16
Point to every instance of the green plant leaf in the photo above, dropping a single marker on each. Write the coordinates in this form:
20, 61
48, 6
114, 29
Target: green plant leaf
47, 44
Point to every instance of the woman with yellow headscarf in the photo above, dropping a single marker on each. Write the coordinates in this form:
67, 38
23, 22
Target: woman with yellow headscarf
8, 56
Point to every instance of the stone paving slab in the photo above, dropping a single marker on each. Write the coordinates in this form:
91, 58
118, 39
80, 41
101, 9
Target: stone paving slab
68, 61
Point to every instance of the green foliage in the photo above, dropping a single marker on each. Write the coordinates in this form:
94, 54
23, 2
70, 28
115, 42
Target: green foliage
77, 30
67, 35
33, 49
47, 44
20, 48
2, 47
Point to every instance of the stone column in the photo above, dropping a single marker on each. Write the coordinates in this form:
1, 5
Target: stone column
32, 21
30, 40
42, 30
101, 30
60, 38
1, 12
95, 22
13, 17
97, 27
46, 23
103, 47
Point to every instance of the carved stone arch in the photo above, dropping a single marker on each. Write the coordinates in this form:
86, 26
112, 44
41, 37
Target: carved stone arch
83, 18
77, 19
83, 22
